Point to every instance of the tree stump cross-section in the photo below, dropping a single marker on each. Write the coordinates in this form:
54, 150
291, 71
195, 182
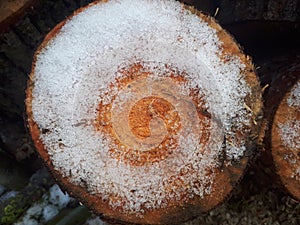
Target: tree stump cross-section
145, 111
286, 140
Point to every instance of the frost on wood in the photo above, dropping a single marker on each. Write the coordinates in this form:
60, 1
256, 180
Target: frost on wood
294, 98
137, 100
286, 140
290, 131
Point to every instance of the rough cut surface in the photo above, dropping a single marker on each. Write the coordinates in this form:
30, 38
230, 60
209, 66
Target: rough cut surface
290, 132
139, 103
286, 140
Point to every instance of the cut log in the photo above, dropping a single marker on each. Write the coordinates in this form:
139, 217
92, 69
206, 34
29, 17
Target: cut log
286, 140
282, 125
146, 111
11, 10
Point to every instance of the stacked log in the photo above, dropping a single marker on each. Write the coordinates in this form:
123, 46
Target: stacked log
286, 140
173, 119
18, 44
282, 130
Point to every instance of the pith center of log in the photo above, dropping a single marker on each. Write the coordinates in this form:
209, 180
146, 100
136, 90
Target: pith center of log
151, 118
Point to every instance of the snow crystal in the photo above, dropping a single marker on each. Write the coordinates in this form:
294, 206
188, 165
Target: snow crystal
95, 221
290, 134
290, 131
74, 71
49, 212
8, 195
294, 98
57, 197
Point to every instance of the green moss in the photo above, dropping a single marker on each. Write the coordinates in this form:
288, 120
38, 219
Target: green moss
11, 214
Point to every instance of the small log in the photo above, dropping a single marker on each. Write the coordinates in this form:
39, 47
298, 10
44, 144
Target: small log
281, 144
150, 124
11, 11
286, 140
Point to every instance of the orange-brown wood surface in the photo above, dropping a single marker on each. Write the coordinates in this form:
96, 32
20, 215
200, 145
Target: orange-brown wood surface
225, 177
283, 160
286, 156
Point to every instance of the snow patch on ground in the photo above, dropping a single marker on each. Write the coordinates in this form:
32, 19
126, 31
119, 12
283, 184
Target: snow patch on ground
44, 211
95, 221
